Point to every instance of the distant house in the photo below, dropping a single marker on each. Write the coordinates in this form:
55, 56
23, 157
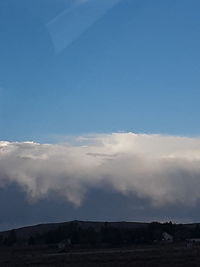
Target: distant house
64, 245
192, 242
167, 238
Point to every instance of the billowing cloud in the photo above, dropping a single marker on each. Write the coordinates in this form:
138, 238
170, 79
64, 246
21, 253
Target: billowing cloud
163, 169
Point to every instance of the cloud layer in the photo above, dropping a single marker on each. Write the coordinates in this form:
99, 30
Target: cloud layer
163, 169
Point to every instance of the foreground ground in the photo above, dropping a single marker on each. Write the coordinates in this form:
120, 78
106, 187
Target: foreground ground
144, 256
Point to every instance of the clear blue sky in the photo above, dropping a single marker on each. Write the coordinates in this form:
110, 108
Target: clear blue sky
73, 67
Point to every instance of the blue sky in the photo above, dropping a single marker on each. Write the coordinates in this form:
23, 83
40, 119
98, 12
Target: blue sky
134, 66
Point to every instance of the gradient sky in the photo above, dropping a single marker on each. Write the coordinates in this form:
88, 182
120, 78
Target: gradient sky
74, 67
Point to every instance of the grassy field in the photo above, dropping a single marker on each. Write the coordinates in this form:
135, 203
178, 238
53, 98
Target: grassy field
143, 256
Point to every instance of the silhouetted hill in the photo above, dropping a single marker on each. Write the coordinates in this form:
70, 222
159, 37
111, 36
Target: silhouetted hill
96, 234
26, 232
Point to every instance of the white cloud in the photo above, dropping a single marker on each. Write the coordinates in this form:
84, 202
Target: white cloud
164, 169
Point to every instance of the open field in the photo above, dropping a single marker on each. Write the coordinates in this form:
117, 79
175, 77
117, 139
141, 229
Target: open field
151, 256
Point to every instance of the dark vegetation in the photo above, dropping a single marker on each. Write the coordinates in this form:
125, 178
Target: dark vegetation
97, 244
101, 235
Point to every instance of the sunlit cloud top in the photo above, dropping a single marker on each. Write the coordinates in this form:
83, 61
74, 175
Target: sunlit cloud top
163, 169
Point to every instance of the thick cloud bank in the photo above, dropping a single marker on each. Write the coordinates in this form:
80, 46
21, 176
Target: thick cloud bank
163, 169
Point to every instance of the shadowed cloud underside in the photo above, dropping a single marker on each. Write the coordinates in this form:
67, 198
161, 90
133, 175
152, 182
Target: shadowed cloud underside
163, 169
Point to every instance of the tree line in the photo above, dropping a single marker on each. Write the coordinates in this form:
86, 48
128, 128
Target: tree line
107, 234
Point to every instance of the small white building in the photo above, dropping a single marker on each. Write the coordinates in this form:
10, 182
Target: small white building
193, 242
167, 238
65, 244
